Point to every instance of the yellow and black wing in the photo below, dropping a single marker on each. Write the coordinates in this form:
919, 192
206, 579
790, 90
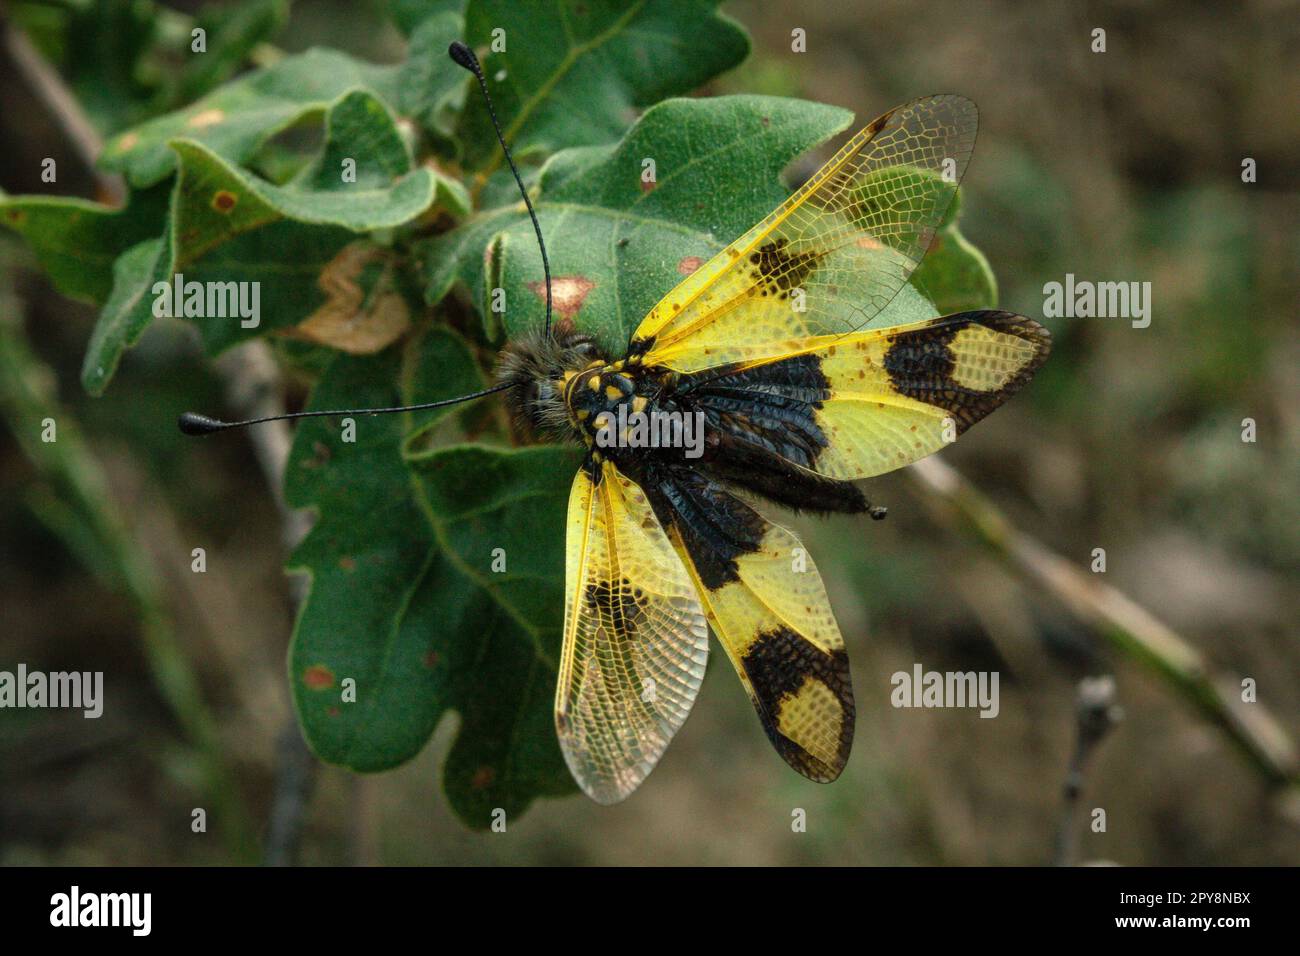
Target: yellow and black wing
767, 336
768, 608
833, 255
635, 637
855, 406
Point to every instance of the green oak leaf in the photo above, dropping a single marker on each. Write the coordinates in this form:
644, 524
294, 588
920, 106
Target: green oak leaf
410, 14
77, 241
237, 118
480, 499
431, 89
128, 311
128, 60
954, 275
105, 49
408, 602
615, 244
395, 612
232, 31
286, 258
229, 225
218, 200
574, 71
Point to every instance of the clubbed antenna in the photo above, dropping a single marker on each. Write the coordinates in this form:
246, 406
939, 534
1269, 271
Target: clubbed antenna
466, 58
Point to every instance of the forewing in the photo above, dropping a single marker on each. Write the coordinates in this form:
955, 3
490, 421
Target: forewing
832, 256
635, 638
768, 608
860, 405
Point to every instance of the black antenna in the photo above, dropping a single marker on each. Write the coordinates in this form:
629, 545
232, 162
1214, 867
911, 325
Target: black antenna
464, 56
192, 423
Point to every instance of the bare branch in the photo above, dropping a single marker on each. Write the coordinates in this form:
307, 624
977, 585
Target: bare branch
1097, 713
1124, 624
253, 389
63, 106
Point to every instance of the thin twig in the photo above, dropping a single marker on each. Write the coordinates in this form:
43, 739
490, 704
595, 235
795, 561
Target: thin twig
253, 389
1097, 713
63, 106
1124, 624
295, 778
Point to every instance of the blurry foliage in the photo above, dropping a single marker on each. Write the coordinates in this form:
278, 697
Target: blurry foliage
403, 517
70, 498
127, 60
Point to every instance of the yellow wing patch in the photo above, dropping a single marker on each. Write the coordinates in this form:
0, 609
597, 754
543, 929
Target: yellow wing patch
834, 254
635, 638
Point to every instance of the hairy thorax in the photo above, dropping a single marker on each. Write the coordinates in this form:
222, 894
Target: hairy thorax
564, 388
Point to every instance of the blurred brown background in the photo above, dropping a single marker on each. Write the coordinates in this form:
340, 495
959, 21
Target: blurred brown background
1122, 166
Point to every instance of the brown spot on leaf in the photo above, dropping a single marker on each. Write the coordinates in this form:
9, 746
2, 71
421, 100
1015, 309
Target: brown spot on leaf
224, 200
127, 142
567, 293
689, 264
482, 778
348, 563
647, 186
206, 118
318, 677
431, 659
358, 319
15, 215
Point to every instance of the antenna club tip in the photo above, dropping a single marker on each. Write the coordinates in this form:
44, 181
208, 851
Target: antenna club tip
463, 56
191, 423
